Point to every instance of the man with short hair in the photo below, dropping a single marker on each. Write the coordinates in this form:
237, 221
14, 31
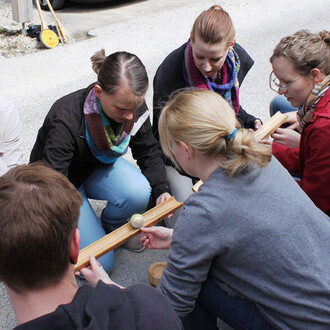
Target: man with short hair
39, 243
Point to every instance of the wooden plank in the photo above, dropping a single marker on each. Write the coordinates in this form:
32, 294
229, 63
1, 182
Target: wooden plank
197, 185
125, 232
270, 126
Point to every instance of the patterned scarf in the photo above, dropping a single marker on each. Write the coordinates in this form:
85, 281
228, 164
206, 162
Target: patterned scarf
305, 112
227, 81
106, 139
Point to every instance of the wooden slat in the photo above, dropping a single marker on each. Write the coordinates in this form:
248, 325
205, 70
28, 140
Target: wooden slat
197, 185
125, 232
270, 126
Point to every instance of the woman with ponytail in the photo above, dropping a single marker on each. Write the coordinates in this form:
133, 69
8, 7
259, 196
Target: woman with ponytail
85, 136
301, 72
209, 60
249, 247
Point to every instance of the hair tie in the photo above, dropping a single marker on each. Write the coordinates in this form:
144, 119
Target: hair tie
232, 134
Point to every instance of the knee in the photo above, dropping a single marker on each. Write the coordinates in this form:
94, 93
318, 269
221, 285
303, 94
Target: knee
132, 198
138, 195
280, 103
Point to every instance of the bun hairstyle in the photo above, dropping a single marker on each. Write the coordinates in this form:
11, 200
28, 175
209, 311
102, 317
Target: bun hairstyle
118, 68
204, 120
306, 51
213, 26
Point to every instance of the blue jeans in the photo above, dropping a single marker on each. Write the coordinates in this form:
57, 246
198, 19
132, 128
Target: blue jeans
127, 191
280, 103
214, 302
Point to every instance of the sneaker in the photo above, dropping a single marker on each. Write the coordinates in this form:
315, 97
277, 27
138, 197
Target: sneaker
134, 244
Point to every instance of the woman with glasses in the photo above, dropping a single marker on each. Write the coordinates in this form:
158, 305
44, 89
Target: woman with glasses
209, 60
301, 72
279, 102
288, 134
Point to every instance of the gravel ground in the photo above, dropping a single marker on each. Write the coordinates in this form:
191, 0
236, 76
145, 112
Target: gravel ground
12, 41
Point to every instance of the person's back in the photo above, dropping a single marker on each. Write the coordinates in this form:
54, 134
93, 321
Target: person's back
250, 246
267, 242
109, 307
39, 243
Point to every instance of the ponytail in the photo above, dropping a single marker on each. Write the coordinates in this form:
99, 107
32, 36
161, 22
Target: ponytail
205, 122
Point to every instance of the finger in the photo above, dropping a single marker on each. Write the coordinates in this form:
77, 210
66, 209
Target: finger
293, 126
280, 130
161, 200
85, 272
94, 262
277, 137
148, 229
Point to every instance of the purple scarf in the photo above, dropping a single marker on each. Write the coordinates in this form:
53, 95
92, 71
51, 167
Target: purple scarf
228, 86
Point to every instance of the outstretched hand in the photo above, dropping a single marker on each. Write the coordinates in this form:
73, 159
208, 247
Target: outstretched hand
156, 237
95, 272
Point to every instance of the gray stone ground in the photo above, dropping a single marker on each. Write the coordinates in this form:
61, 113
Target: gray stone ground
33, 82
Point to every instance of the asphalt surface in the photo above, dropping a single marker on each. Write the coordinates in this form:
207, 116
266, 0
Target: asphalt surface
150, 30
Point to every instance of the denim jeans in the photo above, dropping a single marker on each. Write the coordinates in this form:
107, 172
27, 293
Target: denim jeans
214, 302
127, 191
280, 103
181, 188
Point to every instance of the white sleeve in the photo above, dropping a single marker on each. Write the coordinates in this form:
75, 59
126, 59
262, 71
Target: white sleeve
11, 136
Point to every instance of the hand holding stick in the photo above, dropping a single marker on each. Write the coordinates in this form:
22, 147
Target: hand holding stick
125, 232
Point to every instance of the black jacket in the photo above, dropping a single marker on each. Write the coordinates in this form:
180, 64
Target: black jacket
108, 307
61, 144
169, 78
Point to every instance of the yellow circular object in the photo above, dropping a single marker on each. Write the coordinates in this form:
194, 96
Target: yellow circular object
48, 38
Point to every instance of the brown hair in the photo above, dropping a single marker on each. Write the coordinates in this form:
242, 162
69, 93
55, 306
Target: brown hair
39, 211
213, 25
118, 68
306, 51
203, 120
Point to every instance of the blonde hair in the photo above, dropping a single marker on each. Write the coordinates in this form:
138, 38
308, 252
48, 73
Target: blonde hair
203, 120
306, 51
213, 26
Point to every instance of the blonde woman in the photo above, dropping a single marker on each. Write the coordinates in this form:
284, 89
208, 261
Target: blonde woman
250, 247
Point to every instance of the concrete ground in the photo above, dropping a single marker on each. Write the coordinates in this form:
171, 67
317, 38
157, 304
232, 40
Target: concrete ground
33, 82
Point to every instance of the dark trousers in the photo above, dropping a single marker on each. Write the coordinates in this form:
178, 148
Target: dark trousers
214, 302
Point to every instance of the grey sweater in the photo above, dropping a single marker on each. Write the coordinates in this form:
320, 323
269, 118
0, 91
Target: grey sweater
261, 238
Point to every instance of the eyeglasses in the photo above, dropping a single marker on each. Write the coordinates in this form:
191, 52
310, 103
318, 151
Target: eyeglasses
275, 84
